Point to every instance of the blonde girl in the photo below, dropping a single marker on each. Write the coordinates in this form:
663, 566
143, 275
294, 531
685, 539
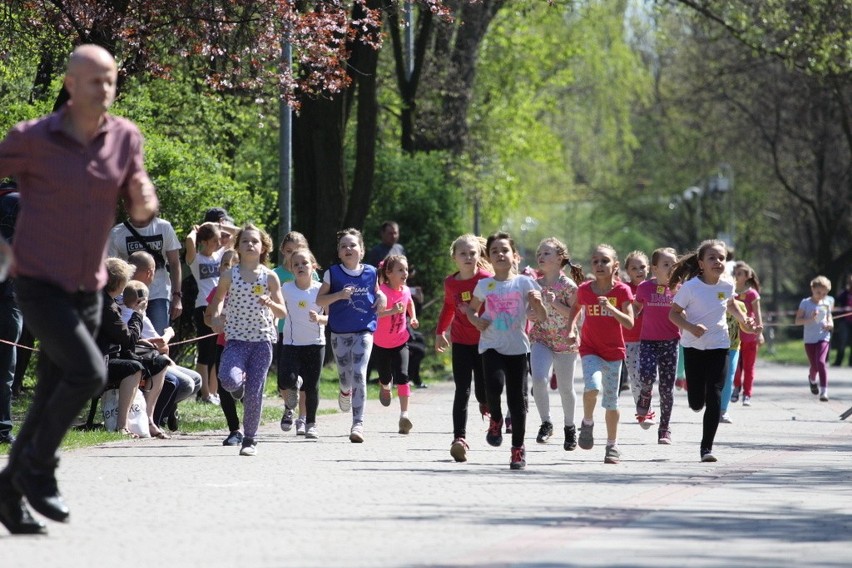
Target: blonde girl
607, 305
350, 293
302, 345
698, 309
503, 343
253, 302
636, 267
815, 314
291, 242
658, 343
390, 342
748, 292
469, 254
550, 346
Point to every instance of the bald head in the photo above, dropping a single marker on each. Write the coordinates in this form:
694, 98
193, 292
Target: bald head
90, 80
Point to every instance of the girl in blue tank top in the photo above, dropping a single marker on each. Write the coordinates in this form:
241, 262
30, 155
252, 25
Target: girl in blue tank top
350, 293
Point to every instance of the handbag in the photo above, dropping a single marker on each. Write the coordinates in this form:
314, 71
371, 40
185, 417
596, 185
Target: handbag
137, 416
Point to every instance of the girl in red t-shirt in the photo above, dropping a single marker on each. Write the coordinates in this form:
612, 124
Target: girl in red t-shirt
607, 304
468, 252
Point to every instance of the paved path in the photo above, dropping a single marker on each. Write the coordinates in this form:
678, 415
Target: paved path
781, 494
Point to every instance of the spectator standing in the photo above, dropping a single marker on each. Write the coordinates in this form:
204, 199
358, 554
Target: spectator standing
10, 316
389, 234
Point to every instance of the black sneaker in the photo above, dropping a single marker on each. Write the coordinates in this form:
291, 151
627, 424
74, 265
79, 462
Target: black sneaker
519, 460
494, 436
814, 388
735, 396
235, 438
570, 438
545, 431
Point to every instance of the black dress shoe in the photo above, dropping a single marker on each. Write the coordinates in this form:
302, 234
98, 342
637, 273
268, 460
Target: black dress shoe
42, 493
16, 517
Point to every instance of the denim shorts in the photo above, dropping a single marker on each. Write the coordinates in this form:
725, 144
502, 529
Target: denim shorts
601, 375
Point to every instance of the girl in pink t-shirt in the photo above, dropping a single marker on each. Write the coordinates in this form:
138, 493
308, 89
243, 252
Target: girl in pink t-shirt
658, 343
390, 341
607, 304
748, 292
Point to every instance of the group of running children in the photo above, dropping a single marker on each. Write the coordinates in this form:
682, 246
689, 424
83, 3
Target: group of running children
505, 325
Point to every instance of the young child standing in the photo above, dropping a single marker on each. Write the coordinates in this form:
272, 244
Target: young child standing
203, 255
658, 343
607, 304
350, 292
390, 347
291, 242
503, 343
748, 292
698, 309
550, 346
468, 252
302, 346
815, 314
253, 302
636, 266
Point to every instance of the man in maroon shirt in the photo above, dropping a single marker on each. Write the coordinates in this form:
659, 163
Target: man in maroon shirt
71, 167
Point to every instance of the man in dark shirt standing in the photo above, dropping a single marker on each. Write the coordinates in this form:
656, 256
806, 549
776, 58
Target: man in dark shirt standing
81, 160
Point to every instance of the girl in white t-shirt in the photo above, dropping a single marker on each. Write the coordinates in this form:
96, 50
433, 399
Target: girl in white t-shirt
204, 252
815, 314
503, 343
302, 338
698, 309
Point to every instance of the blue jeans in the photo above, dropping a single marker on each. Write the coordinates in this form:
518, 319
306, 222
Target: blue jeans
10, 330
158, 312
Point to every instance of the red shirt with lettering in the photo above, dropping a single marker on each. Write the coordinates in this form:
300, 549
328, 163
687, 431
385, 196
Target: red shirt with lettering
601, 334
457, 294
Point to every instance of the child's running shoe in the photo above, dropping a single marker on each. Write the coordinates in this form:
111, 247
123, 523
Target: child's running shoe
725, 418
746, 401
680, 384
646, 420
287, 419
405, 425
385, 395
459, 450
570, 438
612, 455
356, 434
519, 460
344, 401
664, 438
545, 431
587, 436
494, 436
301, 427
814, 388
707, 456
311, 432
249, 447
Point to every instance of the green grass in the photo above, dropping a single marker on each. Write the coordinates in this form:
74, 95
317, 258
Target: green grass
785, 352
196, 417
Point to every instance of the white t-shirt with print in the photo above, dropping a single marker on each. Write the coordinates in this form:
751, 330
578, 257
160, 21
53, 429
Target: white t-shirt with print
160, 237
298, 327
506, 306
705, 304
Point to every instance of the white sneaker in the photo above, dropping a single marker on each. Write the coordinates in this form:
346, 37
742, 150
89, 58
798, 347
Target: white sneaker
725, 419
746, 401
356, 434
311, 432
249, 447
344, 401
300, 426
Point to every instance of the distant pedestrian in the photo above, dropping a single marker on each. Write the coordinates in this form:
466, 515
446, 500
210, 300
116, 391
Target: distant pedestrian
844, 324
252, 300
815, 314
698, 309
